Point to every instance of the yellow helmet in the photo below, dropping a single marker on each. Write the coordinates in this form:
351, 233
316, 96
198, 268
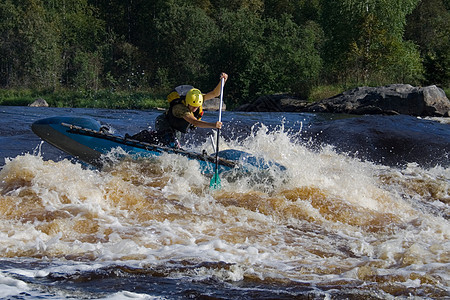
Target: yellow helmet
194, 98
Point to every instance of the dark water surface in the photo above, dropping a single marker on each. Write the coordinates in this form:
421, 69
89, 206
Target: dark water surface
390, 140
362, 212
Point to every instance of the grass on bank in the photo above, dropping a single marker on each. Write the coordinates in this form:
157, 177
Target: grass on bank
324, 91
122, 99
84, 99
115, 99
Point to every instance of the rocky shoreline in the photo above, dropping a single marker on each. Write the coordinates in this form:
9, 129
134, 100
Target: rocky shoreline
395, 99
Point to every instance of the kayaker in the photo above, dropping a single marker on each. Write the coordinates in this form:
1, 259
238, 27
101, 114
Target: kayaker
184, 113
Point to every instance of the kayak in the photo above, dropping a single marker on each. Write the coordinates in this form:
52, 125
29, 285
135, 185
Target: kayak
89, 141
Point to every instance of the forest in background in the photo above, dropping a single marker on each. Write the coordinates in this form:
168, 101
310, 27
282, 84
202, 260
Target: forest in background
125, 48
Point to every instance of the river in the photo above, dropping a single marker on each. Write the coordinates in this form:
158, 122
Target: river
361, 212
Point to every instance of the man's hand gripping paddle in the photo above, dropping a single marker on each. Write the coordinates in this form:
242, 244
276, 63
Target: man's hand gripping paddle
215, 180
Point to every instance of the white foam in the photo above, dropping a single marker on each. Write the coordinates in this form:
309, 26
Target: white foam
11, 287
140, 216
130, 295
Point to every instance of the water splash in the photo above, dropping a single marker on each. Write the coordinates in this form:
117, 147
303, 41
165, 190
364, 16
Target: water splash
331, 220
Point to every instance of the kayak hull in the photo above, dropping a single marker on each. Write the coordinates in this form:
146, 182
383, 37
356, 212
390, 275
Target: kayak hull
84, 139
52, 131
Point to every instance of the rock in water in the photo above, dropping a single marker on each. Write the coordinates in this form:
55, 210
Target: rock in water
213, 104
392, 99
436, 102
275, 103
395, 99
39, 103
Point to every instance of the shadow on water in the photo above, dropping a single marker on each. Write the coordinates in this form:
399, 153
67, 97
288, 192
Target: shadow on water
388, 140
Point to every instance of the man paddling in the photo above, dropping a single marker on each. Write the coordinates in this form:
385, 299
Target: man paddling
184, 113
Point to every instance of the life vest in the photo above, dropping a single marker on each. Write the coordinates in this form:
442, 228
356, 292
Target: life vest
177, 96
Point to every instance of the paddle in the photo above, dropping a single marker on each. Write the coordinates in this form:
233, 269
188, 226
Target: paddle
215, 180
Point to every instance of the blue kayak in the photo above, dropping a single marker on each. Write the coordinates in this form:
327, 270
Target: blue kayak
86, 139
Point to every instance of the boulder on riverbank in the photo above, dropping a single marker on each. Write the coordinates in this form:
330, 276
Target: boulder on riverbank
213, 105
39, 103
392, 99
275, 103
389, 100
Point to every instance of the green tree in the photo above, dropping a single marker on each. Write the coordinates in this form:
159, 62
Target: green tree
362, 36
238, 51
183, 35
290, 61
46, 43
302, 11
267, 46
429, 27
9, 43
82, 39
30, 45
265, 55
234, 5
379, 57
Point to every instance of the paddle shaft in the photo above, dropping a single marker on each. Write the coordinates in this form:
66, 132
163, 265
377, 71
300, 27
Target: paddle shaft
222, 82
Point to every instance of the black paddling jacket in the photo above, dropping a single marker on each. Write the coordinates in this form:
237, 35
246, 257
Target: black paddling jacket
181, 124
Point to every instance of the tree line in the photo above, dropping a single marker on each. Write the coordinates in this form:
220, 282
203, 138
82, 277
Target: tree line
266, 46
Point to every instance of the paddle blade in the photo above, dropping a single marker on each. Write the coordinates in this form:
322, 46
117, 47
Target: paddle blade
215, 182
